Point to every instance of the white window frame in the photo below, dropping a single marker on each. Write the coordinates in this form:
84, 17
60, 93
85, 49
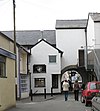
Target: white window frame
51, 58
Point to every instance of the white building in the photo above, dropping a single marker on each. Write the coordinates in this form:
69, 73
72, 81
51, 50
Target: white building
93, 42
70, 37
45, 67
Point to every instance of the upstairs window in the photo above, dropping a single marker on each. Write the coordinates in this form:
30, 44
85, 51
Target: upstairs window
2, 66
52, 58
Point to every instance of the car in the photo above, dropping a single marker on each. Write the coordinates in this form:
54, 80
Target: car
91, 88
96, 102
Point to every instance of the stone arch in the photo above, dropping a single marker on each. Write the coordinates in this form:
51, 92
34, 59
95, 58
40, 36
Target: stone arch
80, 70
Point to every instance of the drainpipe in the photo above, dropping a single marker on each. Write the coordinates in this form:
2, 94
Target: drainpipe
86, 53
19, 77
28, 73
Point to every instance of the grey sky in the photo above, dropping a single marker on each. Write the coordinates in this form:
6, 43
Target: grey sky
42, 14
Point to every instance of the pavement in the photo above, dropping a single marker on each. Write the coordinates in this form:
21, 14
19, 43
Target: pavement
37, 98
42, 98
50, 103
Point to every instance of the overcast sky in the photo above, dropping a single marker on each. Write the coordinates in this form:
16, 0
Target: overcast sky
42, 14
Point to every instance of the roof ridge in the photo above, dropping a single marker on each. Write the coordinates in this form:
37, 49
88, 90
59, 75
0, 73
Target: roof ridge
71, 19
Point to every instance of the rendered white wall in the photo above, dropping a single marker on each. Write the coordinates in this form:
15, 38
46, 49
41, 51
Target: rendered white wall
97, 34
90, 33
40, 55
69, 41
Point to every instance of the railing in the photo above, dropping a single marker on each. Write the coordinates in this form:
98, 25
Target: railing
96, 65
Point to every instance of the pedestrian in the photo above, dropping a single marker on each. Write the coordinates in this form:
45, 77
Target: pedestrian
83, 86
70, 85
76, 90
65, 89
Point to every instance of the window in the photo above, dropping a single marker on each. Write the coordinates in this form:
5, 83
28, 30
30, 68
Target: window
52, 59
81, 57
54, 81
98, 86
93, 86
98, 94
2, 66
39, 68
39, 82
24, 83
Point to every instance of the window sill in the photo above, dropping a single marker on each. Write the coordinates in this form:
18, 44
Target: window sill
3, 77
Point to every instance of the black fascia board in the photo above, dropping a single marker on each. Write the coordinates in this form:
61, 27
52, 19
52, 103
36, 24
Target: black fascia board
49, 44
70, 27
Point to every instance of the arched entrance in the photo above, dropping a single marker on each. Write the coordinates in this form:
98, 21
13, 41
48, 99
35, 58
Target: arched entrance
80, 70
76, 73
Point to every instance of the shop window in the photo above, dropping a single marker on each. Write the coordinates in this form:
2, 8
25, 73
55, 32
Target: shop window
2, 66
54, 81
52, 58
39, 68
39, 82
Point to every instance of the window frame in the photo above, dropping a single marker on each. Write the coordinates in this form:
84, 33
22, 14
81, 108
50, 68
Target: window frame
39, 80
2, 66
43, 70
51, 59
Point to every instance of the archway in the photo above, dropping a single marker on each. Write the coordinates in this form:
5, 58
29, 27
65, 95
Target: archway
80, 70
75, 70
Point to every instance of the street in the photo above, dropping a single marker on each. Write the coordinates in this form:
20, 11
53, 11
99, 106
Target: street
56, 103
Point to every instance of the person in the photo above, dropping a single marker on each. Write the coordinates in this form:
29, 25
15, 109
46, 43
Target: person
70, 85
83, 86
76, 90
65, 89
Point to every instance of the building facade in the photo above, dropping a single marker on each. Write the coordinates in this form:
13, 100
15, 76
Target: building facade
93, 44
23, 76
7, 73
70, 37
45, 68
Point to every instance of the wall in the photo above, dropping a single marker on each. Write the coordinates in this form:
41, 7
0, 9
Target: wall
40, 55
7, 84
97, 34
90, 33
23, 63
93, 40
6, 44
8, 90
22, 76
69, 41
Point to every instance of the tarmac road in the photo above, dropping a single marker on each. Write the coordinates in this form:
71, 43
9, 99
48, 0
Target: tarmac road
56, 103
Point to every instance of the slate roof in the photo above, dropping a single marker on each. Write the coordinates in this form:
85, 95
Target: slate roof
31, 37
71, 24
95, 16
